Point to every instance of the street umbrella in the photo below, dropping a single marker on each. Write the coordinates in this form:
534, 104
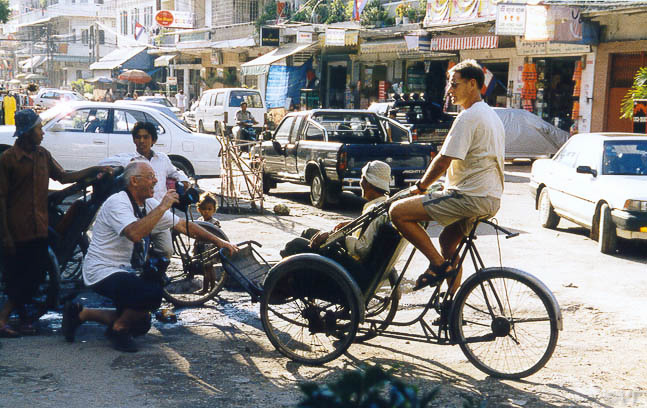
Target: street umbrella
136, 76
35, 77
101, 80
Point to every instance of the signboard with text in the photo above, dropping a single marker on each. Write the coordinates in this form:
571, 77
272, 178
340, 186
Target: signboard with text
511, 19
548, 48
174, 19
335, 37
270, 36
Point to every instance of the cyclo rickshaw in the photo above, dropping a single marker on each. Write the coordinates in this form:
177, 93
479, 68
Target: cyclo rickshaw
505, 321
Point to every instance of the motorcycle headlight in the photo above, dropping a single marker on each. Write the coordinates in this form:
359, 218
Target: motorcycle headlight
636, 205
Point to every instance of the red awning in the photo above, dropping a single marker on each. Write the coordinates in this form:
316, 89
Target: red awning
475, 42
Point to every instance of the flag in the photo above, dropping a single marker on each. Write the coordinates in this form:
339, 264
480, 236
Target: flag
358, 7
488, 83
139, 29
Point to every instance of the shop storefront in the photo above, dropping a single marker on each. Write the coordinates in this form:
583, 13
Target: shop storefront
339, 71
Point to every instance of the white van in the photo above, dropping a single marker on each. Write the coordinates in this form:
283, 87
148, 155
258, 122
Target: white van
220, 106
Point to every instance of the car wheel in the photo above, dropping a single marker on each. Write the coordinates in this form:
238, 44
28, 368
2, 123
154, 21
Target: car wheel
183, 166
547, 216
607, 240
200, 127
268, 184
318, 191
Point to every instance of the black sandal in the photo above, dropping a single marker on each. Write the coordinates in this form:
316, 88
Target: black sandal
440, 273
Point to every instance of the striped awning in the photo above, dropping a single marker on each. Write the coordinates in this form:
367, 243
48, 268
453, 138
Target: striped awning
475, 42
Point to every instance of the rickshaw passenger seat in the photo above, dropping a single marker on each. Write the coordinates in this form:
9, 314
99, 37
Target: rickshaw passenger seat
387, 247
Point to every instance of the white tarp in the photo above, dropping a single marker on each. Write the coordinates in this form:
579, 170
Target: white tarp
529, 136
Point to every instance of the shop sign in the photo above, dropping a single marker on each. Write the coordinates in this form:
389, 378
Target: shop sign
174, 19
476, 42
547, 47
270, 37
511, 19
640, 116
335, 37
304, 37
171, 80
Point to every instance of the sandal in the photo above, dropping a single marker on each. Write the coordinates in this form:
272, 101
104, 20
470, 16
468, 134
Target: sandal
440, 273
7, 332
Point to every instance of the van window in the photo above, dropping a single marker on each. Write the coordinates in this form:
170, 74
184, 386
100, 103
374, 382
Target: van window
204, 100
252, 98
220, 99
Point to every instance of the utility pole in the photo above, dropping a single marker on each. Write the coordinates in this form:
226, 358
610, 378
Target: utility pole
50, 45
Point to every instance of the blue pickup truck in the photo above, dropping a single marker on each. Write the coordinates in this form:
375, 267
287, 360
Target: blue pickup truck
326, 149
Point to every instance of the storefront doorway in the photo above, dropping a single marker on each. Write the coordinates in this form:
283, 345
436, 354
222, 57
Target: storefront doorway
336, 84
623, 70
555, 78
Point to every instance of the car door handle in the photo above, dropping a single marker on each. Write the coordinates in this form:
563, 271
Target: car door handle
98, 142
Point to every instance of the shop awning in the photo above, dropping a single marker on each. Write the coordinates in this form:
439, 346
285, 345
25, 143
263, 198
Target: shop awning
261, 65
383, 46
474, 42
235, 43
33, 62
164, 60
117, 58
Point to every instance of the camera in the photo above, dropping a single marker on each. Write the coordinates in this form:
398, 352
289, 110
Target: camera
154, 269
187, 197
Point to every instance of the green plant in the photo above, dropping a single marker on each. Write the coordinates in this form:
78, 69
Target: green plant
638, 91
4, 11
268, 14
337, 12
366, 387
373, 13
413, 13
78, 86
402, 9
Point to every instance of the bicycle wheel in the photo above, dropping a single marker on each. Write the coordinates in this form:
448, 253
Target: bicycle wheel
72, 269
381, 307
310, 313
198, 278
504, 323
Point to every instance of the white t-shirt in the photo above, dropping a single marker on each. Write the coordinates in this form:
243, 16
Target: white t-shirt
110, 251
161, 164
477, 140
181, 100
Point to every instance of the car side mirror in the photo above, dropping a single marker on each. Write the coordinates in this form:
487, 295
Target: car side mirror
277, 147
267, 136
57, 127
586, 170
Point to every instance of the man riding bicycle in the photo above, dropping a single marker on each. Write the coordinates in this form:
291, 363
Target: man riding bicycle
472, 155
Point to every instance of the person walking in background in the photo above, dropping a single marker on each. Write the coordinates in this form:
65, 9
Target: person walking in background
9, 107
180, 100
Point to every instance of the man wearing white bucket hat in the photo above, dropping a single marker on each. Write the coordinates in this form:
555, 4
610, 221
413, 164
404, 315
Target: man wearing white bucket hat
376, 177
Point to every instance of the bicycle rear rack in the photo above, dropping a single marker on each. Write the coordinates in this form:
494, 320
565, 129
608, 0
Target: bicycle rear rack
247, 267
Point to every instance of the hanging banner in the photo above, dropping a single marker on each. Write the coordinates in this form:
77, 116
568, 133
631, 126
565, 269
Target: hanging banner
285, 82
442, 12
475, 42
511, 19
553, 23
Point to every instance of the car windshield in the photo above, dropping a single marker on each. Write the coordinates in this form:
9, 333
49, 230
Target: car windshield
51, 113
350, 127
625, 157
252, 98
160, 101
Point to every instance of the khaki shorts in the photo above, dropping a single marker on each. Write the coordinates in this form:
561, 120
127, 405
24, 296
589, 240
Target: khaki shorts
449, 207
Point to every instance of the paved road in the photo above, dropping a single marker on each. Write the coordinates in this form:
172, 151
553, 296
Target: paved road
219, 356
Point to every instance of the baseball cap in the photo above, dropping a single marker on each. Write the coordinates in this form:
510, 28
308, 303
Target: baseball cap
26, 120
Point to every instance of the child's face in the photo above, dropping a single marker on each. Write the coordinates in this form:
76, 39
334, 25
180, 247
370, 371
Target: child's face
207, 210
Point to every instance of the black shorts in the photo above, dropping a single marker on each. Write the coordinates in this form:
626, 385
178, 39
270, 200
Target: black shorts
25, 270
129, 291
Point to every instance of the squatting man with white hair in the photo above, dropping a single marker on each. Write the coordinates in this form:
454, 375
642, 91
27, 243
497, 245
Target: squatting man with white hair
121, 235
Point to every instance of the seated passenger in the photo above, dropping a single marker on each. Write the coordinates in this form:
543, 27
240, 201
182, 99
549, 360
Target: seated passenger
376, 176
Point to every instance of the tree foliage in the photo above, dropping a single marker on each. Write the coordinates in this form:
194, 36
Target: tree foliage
637, 91
374, 14
4, 11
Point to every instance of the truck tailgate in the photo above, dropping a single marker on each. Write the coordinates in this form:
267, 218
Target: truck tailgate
408, 162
